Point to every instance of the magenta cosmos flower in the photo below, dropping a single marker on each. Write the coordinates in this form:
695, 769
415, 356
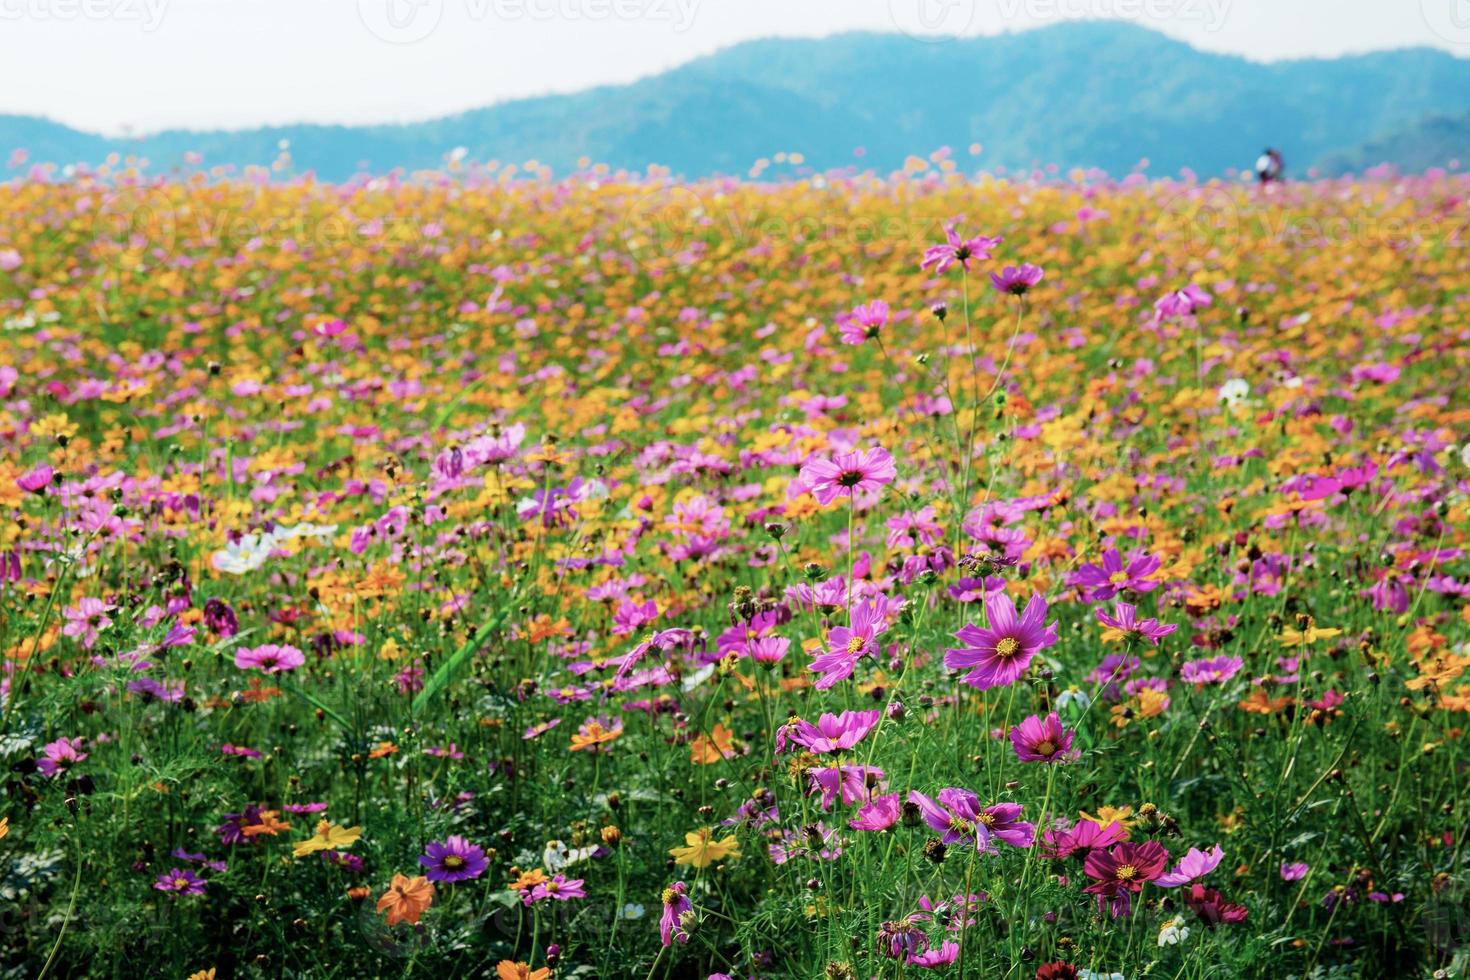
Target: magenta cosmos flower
1042, 739
676, 905
1100, 582
1294, 871
1017, 280
1211, 670
880, 813
36, 480
958, 818
849, 644
455, 859
835, 733
863, 323
60, 755
1121, 872
954, 816
180, 881
956, 250
1081, 839
1125, 624
1002, 822
559, 887
847, 474
998, 655
1181, 302
269, 658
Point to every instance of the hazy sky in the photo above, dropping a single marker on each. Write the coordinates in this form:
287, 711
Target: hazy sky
108, 65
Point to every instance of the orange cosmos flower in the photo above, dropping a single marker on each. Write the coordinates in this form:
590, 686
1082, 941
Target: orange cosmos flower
406, 899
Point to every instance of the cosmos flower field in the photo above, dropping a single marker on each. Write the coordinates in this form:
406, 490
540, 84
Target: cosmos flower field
490, 575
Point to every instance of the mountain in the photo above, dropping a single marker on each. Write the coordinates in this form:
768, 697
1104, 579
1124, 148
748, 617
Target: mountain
1098, 94
1433, 141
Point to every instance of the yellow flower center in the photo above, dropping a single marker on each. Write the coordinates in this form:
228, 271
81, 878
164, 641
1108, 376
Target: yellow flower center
453, 861
855, 644
1127, 872
1045, 747
1118, 578
1008, 647
988, 819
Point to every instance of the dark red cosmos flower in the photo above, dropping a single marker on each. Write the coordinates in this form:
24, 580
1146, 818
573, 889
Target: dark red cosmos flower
1212, 908
1056, 970
1120, 873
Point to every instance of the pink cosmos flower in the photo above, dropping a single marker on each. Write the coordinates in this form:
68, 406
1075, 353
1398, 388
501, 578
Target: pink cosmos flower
999, 655
941, 258
1193, 866
60, 755
1042, 740
269, 658
847, 474
835, 733
632, 617
1182, 302
851, 784
939, 956
671, 924
1125, 621
559, 887
863, 323
880, 813
1294, 872
1017, 280
848, 644
1211, 670
86, 619
36, 480
767, 650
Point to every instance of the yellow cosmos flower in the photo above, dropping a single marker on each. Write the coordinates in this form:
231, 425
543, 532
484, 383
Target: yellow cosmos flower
700, 849
328, 837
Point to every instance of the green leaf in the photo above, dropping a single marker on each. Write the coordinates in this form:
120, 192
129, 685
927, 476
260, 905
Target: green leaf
322, 706
447, 669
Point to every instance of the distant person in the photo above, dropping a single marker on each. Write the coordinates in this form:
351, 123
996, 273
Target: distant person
1269, 167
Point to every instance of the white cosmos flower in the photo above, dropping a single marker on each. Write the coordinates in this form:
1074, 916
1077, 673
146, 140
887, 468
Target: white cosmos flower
1073, 696
558, 857
1234, 391
246, 555
1173, 932
322, 532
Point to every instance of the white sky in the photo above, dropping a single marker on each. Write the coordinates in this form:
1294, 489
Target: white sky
107, 65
